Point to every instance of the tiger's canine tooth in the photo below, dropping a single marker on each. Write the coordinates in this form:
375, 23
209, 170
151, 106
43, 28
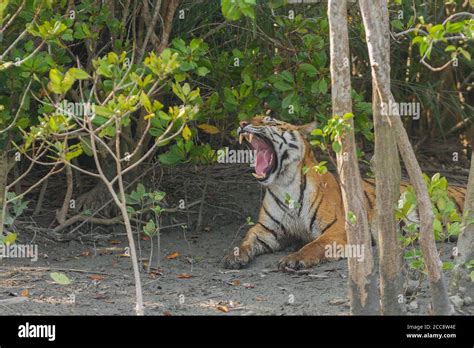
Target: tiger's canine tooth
241, 138
250, 137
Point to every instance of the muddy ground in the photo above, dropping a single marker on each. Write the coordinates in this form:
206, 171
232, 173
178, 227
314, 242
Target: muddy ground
190, 279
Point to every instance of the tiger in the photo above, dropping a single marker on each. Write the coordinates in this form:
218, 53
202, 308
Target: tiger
299, 205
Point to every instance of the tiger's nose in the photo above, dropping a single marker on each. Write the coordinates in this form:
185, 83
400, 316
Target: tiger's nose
243, 123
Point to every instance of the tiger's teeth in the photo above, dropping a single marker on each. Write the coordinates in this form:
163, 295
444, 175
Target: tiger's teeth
250, 137
258, 176
241, 138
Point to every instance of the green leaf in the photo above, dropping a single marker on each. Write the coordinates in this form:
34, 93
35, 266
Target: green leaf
67, 83
78, 74
441, 203
86, 146
437, 228
60, 278
73, 152
247, 8
317, 131
145, 101
172, 157
104, 69
434, 29
150, 228
140, 190
229, 97
202, 71
454, 27
10, 238
186, 133
282, 86
465, 53
348, 116
286, 102
55, 78
308, 69
336, 146
230, 10
315, 87
448, 265
103, 111
323, 86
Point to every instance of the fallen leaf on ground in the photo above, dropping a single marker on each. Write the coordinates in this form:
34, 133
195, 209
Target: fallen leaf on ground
96, 277
172, 256
100, 297
60, 278
236, 282
184, 276
248, 286
25, 293
319, 276
114, 241
223, 309
337, 301
85, 253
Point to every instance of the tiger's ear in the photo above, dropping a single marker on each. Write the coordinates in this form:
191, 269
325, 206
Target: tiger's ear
306, 129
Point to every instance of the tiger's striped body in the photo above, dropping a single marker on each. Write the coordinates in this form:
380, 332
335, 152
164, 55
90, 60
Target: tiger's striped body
297, 207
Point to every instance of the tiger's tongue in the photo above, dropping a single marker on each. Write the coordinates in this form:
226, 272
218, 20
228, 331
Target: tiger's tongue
264, 156
262, 162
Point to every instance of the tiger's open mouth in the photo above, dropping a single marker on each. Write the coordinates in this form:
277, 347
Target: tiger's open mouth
265, 156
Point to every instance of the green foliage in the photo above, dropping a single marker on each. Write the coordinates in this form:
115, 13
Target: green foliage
332, 133
9, 238
210, 77
427, 34
446, 45
234, 9
140, 201
15, 209
446, 223
61, 83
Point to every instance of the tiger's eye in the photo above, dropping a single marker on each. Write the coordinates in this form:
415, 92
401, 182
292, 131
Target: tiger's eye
267, 119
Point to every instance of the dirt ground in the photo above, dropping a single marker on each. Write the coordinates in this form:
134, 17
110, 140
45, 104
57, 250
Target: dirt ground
190, 279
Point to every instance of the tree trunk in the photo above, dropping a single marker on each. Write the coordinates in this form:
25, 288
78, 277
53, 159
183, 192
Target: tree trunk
363, 291
61, 214
465, 245
372, 15
387, 194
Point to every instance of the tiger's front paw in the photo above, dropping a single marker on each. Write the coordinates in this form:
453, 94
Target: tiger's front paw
235, 260
296, 261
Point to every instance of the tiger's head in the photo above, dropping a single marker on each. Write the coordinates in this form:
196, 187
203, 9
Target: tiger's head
279, 146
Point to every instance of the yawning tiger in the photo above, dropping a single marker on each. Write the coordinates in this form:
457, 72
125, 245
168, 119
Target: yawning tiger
297, 206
